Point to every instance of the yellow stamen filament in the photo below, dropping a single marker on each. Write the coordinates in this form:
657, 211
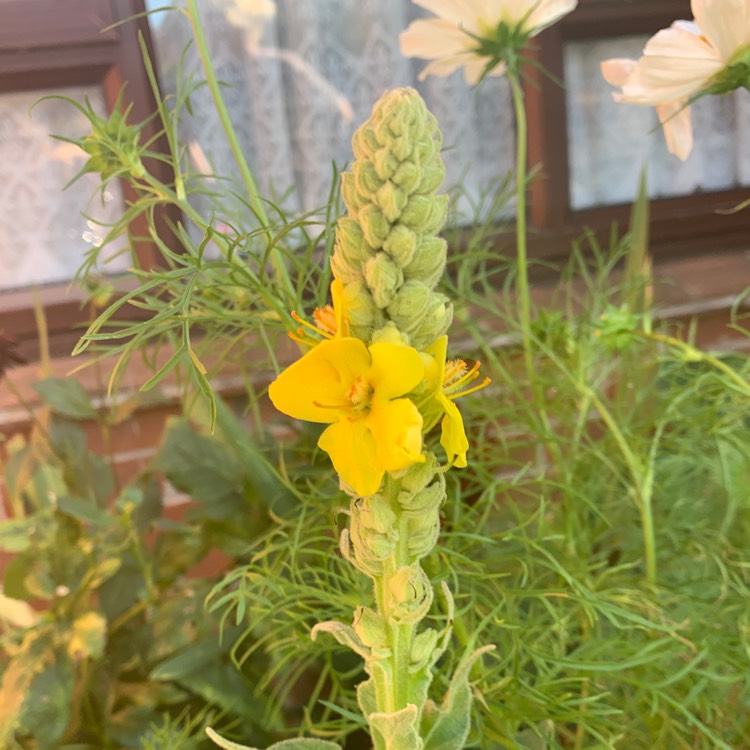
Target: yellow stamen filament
479, 387
302, 337
457, 377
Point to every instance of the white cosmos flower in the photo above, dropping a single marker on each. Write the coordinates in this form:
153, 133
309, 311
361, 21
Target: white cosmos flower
683, 62
468, 34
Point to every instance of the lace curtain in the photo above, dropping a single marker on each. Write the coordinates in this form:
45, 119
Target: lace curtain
43, 235
297, 86
300, 83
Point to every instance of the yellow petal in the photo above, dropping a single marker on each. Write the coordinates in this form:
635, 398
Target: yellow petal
342, 321
396, 427
315, 387
352, 449
395, 370
453, 436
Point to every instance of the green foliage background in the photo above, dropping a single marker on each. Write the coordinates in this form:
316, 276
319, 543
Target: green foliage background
599, 537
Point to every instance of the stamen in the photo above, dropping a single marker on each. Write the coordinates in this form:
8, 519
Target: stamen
301, 338
325, 320
341, 406
479, 387
317, 331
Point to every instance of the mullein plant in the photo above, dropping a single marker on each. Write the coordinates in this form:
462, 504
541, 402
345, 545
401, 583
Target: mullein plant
376, 374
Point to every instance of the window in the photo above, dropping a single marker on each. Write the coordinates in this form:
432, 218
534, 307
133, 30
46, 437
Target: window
576, 127
54, 47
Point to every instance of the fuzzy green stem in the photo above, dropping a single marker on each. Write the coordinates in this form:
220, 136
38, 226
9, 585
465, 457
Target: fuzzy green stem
399, 635
248, 179
522, 273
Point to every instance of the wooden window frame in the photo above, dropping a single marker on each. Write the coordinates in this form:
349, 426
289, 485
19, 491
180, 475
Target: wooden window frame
47, 44
680, 226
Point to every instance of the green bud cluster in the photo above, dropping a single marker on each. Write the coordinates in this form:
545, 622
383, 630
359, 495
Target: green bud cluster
378, 523
387, 253
112, 145
389, 259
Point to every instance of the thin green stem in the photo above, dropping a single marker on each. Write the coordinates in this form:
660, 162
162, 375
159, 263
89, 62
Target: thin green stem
641, 482
522, 273
696, 355
246, 173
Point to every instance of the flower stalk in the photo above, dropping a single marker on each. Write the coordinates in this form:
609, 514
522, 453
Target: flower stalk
376, 374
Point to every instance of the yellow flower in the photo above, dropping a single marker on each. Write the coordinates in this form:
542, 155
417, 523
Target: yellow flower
331, 321
451, 379
356, 390
482, 36
685, 61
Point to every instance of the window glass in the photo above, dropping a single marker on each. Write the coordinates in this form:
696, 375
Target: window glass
43, 236
300, 79
609, 143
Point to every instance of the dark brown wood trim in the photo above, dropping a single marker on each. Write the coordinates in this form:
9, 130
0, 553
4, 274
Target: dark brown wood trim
597, 19
548, 133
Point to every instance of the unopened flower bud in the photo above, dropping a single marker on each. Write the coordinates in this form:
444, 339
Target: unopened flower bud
422, 648
391, 199
401, 246
390, 334
409, 304
366, 178
435, 321
362, 312
383, 278
375, 226
428, 261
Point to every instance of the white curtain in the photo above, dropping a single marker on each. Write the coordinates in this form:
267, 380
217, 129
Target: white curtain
43, 235
298, 89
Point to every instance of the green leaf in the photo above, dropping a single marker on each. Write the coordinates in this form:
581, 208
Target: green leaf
396, 731
66, 396
268, 486
199, 465
15, 534
14, 578
298, 743
447, 727
187, 662
46, 710
85, 511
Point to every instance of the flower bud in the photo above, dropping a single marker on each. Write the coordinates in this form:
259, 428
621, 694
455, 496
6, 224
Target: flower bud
391, 199
416, 478
422, 648
428, 261
366, 178
383, 278
375, 226
389, 334
435, 321
409, 304
361, 311
401, 245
